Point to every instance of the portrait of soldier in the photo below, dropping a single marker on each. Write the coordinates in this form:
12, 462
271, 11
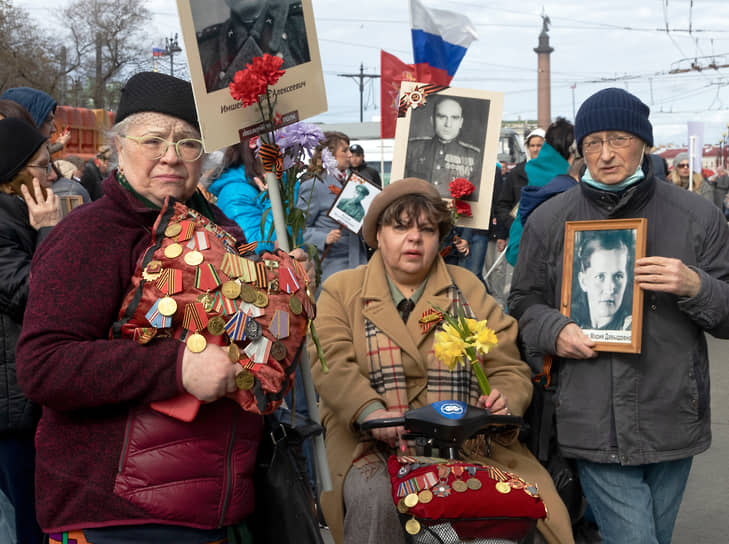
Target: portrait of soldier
445, 155
602, 297
253, 28
353, 206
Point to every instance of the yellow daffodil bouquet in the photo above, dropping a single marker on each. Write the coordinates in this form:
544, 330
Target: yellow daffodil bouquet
464, 338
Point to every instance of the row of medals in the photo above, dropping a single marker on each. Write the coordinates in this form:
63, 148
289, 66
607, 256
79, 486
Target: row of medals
216, 325
442, 489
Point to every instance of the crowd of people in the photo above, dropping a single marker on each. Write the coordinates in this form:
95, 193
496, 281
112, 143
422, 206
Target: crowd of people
83, 454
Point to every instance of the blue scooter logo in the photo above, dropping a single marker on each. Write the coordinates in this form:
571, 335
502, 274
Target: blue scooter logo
452, 409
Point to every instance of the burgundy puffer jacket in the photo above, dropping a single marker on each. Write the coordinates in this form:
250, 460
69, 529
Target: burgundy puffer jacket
104, 458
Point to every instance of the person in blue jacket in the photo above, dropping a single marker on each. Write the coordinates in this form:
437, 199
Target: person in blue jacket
241, 193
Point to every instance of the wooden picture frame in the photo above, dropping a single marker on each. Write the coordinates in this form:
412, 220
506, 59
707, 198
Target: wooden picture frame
443, 133
599, 291
298, 95
352, 196
69, 202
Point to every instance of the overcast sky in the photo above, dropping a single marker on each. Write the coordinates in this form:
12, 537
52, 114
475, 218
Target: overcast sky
597, 44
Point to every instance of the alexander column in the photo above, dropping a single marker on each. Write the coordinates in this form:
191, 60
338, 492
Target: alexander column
544, 104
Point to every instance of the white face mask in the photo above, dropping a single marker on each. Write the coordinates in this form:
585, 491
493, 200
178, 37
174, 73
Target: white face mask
635, 177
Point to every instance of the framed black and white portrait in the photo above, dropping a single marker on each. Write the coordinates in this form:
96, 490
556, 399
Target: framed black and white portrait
447, 133
351, 205
599, 291
222, 36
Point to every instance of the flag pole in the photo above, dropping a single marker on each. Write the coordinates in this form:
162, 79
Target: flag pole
282, 237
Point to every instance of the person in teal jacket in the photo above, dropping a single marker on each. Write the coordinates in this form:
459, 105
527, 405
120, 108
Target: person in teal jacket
241, 193
554, 159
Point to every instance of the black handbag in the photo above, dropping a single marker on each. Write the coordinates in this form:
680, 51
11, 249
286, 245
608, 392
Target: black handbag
285, 510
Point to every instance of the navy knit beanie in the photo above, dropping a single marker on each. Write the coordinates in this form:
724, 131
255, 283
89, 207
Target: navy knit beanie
38, 103
613, 109
19, 142
157, 92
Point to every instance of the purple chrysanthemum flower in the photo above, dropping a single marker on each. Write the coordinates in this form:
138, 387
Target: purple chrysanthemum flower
304, 136
329, 162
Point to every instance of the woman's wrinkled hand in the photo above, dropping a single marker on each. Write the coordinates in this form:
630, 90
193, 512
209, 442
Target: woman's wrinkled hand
210, 374
495, 403
388, 435
42, 212
300, 255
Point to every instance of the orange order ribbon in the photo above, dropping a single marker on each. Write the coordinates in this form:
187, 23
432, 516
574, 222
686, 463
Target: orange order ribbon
271, 158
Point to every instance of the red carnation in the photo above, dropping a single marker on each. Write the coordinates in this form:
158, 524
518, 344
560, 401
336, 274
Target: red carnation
463, 208
247, 86
267, 68
460, 187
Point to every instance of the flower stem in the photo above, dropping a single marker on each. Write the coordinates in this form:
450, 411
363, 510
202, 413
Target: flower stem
483, 382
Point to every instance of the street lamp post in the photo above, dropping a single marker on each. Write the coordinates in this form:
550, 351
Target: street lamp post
171, 47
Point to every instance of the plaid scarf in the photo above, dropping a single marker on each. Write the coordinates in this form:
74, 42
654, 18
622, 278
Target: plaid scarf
387, 378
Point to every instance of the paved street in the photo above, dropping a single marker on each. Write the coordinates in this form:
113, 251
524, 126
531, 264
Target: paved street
705, 509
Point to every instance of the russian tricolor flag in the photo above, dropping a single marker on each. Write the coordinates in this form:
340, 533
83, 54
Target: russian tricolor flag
440, 41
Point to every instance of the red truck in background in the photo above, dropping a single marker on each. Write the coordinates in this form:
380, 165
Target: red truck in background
88, 130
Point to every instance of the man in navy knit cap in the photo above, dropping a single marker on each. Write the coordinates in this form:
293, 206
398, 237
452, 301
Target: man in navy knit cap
632, 422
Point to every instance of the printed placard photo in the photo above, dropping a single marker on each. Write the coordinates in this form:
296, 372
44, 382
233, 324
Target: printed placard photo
599, 291
222, 36
351, 205
444, 133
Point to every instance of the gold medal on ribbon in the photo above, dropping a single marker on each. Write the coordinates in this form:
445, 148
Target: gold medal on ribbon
216, 325
173, 230
295, 305
196, 343
194, 258
278, 351
474, 483
401, 507
167, 306
425, 496
244, 380
234, 352
173, 251
207, 301
459, 485
410, 500
261, 299
248, 293
231, 289
503, 487
412, 526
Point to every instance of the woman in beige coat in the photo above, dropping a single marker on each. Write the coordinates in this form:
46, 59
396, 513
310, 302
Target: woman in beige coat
381, 363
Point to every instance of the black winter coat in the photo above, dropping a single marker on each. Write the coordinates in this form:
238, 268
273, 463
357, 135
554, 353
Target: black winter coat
18, 242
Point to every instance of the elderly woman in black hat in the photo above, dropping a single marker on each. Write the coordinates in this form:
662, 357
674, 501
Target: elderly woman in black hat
110, 467
28, 210
381, 363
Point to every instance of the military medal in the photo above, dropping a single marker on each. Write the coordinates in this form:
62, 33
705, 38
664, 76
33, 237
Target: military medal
152, 271
199, 241
216, 325
412, 526
259, 350
473, 482
196, 342
187, 228
411, 500
172, 230
261, 299
247, 248
170, 281
429, 319
261, 278
234, 352
244, 380
206, 299
459, 485
295, 305
248, 293
503, 487
425, 496
224, 305
278, 351
194, 319
252, 329
402, 507
167, 306
143, 335
287, 280
173, 251
156, 318
231, 289
235, 326
248, 270
532, 490
279, 326
194, 258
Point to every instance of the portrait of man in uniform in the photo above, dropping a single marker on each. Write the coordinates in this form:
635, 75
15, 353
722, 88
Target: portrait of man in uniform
247, 29
445, 142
